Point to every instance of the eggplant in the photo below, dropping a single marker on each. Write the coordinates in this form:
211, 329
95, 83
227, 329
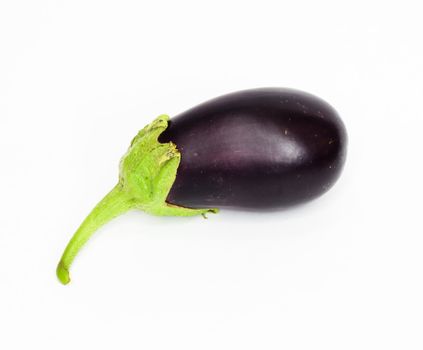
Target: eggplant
259, 149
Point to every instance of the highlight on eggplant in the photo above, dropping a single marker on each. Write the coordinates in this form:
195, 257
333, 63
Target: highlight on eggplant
255, 149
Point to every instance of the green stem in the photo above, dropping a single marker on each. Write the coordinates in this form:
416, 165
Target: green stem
147, 173
115, 203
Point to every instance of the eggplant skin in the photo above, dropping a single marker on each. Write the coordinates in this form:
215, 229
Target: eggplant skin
256, 149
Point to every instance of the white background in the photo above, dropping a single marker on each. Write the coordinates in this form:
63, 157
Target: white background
78, 79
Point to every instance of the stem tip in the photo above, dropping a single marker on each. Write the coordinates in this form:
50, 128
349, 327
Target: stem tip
62, 273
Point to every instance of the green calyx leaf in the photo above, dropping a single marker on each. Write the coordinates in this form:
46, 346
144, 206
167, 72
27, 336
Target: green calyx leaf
147, 173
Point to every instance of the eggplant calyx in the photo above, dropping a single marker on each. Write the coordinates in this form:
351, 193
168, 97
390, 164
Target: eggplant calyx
147, 173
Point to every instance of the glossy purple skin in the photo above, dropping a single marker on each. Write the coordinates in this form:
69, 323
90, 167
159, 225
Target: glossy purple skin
256, 149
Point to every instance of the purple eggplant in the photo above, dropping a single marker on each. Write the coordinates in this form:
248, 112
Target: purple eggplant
256, 149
